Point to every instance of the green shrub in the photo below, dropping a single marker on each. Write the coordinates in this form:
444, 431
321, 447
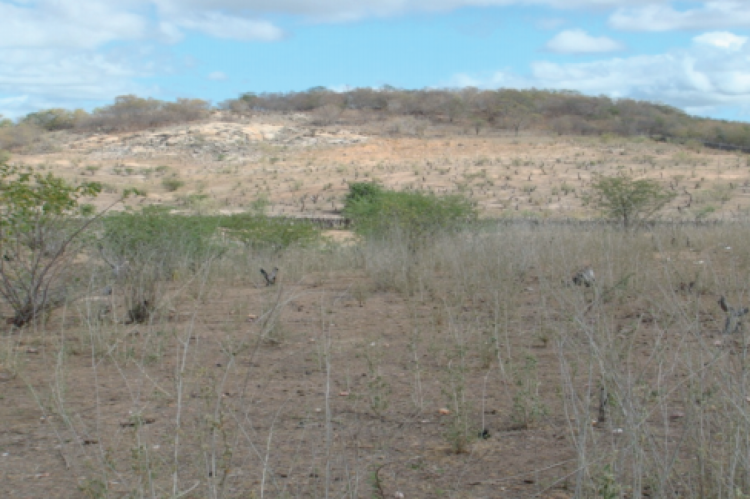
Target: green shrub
260, 231
626, 200
146, 248
87, 210
363, 191
155, 238
376, 211
172, 184
38, 232
157, 242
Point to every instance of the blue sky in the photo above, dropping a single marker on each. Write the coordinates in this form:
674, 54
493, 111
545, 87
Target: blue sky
82, 53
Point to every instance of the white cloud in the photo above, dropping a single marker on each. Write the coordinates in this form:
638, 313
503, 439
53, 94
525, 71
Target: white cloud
577, 41
721, 39
701, 79
661, 16
224, 26
31, 79
80, 24
72, 53
217, 76
169, 33
348, 10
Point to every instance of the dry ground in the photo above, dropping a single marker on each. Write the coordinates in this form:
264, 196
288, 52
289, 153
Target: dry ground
303, 170
281, 395
361, 374
469, 370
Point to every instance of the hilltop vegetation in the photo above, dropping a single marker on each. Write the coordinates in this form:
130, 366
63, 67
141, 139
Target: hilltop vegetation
559, 112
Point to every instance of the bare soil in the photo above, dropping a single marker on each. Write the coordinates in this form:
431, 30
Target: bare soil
72, 417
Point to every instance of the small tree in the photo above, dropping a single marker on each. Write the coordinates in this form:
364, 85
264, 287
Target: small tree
36, 232
627, 200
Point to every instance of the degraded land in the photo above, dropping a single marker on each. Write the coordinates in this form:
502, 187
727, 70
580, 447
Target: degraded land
527, 355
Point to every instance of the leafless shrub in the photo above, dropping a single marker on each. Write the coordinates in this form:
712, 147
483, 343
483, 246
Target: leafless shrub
325, 115
237, 106
406, 125
130, 112
18, 137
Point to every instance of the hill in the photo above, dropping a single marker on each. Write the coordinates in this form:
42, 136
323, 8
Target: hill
229, 162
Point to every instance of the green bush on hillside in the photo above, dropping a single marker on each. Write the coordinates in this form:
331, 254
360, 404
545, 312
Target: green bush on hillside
172, 184
377, 211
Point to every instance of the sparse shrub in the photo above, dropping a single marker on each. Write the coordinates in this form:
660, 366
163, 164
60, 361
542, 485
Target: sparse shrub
407, 125
704, 212
87, 210
37, 233
54, 119
172, 184
460, 432
528, 407
720, 193
14, 138
109, 188
378, 388
197, 203
626, 200
260, 204
326, 115
130, 112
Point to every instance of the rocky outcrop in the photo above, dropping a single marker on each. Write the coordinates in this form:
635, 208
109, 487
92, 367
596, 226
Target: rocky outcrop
216, 140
